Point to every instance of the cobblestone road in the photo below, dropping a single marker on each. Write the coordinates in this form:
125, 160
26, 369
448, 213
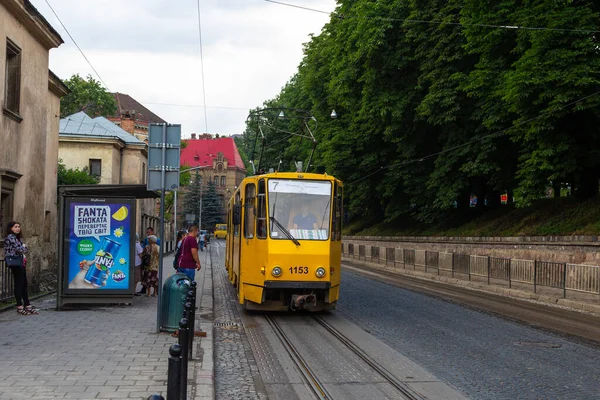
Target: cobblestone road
484, 356
236, 372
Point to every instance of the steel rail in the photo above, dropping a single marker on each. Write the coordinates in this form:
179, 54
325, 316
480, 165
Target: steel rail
310, 377
384, 373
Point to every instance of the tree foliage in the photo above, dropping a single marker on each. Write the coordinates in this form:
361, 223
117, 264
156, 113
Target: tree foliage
431, 113
74, 176
192, 196
87, 95
211, 207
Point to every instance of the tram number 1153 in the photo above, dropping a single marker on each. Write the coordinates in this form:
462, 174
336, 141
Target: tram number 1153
298, 270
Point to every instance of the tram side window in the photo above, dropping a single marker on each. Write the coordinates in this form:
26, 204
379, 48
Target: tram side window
337, 213
261, 226
236, 227
250, 214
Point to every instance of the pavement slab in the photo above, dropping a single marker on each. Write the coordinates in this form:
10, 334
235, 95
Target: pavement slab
98, 351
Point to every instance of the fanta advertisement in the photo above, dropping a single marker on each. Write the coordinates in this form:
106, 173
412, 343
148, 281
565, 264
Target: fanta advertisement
99, 246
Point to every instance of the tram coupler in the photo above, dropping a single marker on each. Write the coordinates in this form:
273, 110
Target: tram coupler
301, 301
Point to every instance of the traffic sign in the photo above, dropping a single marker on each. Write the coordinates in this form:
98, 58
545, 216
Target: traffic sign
163, 155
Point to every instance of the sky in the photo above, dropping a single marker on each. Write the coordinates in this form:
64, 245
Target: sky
150, 50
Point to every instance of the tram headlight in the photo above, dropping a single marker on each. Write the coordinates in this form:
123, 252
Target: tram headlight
320, 272
276, 271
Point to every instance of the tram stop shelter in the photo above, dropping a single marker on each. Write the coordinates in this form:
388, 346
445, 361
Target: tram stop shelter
96, 243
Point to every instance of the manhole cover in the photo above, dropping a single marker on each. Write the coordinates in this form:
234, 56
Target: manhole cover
544, 345
226, 325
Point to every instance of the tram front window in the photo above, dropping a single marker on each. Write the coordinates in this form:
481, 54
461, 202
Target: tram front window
302, 208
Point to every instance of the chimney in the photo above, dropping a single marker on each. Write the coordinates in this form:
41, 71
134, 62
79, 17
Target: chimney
127, 122
193, 136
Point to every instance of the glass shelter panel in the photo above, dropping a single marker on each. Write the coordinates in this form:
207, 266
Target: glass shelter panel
300, 208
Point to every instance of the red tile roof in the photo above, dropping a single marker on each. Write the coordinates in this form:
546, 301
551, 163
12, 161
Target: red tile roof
127, 103
202, 151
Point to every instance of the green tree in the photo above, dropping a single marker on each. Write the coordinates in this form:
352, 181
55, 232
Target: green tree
211, 207
192, 196
87, 95
70, 176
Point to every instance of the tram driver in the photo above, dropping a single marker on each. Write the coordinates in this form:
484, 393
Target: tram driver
305, 219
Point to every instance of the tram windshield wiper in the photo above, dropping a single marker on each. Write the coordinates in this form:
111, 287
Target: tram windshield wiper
285, 231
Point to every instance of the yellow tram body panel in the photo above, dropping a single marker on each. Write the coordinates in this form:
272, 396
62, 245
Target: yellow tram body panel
284, 241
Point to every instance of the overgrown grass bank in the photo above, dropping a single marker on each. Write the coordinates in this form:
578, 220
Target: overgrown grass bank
563, 216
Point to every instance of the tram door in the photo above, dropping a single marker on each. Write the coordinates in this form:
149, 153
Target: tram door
235, 239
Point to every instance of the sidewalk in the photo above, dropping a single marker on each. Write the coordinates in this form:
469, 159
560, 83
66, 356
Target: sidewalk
100, 352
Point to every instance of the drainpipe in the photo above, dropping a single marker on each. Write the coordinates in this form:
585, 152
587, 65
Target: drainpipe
121, 166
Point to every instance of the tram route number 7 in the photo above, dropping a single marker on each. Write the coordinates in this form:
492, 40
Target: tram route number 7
298, 270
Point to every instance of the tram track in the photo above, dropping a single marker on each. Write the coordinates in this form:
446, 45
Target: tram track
312, 379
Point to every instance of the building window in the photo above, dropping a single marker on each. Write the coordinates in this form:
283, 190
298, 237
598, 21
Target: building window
5, 208
223, 180
216, 181
12, 86
95, 167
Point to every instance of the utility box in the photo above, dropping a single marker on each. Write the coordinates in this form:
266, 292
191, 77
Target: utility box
174, 295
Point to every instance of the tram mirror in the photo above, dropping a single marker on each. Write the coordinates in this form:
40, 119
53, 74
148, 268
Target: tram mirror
237, 214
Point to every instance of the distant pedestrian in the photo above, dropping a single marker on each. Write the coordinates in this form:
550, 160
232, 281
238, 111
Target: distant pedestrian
180, 236
149, 232
137, 269
189, 262
202, 240
14, 253
151, 270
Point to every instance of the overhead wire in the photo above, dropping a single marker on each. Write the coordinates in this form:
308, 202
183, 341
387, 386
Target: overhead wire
202, 67
416, 21
76, 45
198, 106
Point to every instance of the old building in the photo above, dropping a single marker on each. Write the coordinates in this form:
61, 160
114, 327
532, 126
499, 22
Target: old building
30, 98
221, 162
134, 117
107, 151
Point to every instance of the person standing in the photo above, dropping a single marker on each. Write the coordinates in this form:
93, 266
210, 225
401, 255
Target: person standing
180, 236
15, 249
151, 270
149, 232
189, 262
202, 240
137, 273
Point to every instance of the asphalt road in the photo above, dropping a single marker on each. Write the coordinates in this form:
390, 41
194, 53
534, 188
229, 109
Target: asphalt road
483, 355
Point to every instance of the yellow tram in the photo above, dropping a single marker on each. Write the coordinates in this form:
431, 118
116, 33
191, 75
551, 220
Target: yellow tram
284, 241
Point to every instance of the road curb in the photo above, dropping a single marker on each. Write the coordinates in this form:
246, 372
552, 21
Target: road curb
204, 366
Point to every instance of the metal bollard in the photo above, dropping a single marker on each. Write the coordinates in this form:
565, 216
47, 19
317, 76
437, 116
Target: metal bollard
174, 372
183, 342
189, 311
156, 397
192, 319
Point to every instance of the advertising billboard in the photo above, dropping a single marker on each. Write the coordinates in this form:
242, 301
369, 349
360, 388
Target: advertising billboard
99, 243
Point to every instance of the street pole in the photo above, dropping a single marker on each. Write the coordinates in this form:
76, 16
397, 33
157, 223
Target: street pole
175, 214
162, 226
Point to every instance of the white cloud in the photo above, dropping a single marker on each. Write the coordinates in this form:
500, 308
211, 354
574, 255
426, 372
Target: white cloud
149, 49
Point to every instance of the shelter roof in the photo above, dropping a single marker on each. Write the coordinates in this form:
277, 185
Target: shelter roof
80, 124
202, 152
137, 191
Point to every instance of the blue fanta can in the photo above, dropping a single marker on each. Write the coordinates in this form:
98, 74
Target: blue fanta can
99, 271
